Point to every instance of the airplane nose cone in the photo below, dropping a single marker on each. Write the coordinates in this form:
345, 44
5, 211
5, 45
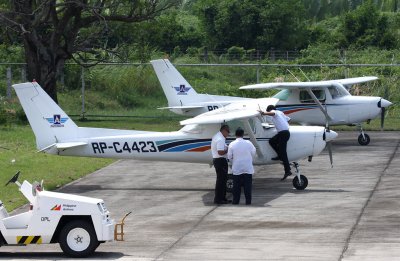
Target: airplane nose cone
330, 135
384, 103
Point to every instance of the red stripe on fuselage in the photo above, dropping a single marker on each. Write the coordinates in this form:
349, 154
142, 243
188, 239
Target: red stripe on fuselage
200, 149
296, 110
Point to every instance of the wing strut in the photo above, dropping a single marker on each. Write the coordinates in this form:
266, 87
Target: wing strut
324, 111
253, 139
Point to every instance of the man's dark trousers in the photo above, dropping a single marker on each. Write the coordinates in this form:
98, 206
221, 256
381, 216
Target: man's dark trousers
221, 168
279, 144
239, 181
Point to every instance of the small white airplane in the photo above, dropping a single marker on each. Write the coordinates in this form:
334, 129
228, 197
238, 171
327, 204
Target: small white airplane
323, 103
56, 133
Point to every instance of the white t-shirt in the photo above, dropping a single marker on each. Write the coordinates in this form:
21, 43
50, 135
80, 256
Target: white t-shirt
218, 143
280, 121
241, 153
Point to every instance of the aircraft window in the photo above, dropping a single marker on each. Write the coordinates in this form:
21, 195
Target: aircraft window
233, 125
305, 97
283, 95
336, 92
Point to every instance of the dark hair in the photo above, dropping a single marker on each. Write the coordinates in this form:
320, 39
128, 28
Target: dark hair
239, 132
224, 127
270, 108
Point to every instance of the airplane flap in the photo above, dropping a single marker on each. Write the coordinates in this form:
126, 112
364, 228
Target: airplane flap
316, 84
221, 117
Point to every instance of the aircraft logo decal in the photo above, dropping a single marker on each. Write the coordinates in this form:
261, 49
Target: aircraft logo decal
56, 208
182, 89
57, 120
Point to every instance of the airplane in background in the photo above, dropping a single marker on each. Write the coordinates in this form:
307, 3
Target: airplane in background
56, 133
323, 103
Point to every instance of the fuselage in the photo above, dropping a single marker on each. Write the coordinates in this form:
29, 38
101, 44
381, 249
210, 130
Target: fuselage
193, 144
343, 109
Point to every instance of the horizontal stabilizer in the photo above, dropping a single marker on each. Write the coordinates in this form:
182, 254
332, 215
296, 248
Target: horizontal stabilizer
64, 145
182, 107
316, 84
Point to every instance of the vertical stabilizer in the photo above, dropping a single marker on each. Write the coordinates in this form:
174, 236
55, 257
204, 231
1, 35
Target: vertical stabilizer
49, 122
177, 90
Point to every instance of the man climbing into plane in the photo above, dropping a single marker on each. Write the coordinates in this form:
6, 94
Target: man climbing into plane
279, 141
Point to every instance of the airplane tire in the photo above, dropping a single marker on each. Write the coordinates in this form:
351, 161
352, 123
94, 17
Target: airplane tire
363, 141
78, 239
229, 183
300, 185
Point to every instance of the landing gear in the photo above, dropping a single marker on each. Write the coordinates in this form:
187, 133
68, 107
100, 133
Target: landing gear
229, 183
363, 138
300, 182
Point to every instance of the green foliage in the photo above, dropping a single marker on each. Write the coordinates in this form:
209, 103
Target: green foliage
252, 24
365, 26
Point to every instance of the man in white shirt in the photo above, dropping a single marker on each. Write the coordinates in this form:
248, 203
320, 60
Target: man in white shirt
219, 150
241, 153
279, 141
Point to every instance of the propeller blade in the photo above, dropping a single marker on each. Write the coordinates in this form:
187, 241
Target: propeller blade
329, 145
383, 109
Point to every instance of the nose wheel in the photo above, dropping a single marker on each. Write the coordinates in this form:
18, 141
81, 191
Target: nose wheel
300, 182
363, 138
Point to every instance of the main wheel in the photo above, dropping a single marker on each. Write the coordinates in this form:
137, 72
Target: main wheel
302, 184
229, 183
78, 239
363, 141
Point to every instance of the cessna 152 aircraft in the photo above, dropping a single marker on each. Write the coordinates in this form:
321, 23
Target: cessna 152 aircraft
321, 103
56, 133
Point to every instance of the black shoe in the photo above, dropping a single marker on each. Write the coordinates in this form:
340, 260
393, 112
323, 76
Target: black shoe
276, 158
287, 174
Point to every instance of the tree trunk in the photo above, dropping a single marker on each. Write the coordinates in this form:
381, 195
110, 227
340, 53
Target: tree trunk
42, 68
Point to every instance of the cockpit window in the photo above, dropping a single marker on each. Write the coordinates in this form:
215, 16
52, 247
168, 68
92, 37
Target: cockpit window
337, 91
283, 95
233, 125
305, 97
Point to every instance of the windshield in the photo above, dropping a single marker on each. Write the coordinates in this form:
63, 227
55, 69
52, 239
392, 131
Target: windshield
337, 91
283, 95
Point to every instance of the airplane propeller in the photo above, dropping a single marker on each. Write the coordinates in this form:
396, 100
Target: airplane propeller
328, 138
382, 117
382, 103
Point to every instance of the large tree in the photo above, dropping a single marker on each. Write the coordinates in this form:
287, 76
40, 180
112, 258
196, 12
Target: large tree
53, 31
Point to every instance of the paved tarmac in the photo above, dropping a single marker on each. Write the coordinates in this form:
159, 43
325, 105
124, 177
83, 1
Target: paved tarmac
348, 212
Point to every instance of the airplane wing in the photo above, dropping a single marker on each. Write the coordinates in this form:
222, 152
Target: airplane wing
222, 117
234, 111
312, 85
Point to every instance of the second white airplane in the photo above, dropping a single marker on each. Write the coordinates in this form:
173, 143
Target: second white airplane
323, 103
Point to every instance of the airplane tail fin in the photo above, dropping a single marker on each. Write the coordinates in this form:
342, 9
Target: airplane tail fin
177, 90
50, 124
